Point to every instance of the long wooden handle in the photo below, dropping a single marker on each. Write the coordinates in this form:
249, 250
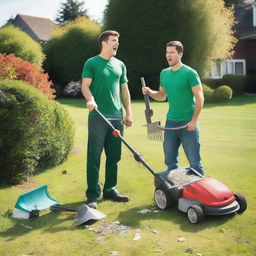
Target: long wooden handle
148, 111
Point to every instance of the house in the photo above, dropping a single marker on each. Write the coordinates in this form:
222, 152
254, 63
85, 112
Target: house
40, 29
244, 60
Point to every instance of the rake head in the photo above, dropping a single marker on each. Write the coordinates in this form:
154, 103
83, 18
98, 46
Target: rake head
154, 131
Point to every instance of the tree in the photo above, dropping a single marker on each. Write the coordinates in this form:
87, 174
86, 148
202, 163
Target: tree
203, 26
13, 40
68, 49
9, 21
70, 10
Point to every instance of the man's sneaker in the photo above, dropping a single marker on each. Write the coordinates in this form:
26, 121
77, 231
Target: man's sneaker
92, 203
116, 197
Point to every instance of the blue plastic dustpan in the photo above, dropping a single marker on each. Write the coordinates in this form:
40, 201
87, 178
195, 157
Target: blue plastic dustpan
36, 199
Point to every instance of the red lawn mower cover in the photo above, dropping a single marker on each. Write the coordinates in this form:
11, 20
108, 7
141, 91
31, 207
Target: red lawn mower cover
210, 192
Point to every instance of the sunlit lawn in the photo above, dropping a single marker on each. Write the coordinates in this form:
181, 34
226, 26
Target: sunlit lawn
228, 145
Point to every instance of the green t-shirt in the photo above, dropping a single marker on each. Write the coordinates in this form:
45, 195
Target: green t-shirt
107, 76
177, 85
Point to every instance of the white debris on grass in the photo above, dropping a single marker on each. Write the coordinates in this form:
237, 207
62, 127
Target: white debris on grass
180, 177
113, 253
181, 239
137, 236
144, 211
154, 231
111, 228
100, 239
25, 226
158, 251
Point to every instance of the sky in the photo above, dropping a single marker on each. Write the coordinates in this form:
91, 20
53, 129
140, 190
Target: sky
46, 8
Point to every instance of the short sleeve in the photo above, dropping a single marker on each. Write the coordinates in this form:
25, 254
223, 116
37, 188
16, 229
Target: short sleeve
193, 78
123, 78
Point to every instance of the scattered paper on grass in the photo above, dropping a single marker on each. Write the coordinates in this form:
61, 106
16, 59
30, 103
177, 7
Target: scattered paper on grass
137, 236
154, 231
110, 228
144, 211
199, 254
181, 239
25, 226
113, 253
158, 251
100, 238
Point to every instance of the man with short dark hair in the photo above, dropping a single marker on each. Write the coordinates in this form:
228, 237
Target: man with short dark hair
104, 86
182, 86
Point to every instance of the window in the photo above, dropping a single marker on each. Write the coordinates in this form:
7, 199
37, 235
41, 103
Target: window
235, 67
223, 67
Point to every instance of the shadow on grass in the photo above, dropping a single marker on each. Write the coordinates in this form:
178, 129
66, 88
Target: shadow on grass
132, 218
51, 222
235, 101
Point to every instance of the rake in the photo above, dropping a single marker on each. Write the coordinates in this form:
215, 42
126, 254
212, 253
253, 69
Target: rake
154, 129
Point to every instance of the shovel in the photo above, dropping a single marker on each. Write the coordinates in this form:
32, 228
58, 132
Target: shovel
154, 129
32, 202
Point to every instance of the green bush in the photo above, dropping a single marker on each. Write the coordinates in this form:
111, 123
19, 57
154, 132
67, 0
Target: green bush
236, 82
13, 40
69, 48
208, 92
222, 93
35, 132
212, 82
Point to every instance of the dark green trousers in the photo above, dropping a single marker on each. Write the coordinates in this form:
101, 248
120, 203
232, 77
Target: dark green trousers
100, 137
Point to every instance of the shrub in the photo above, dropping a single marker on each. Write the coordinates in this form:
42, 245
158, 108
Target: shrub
15, 41
35, 132
236, 82
222, 93
208, 92
15, 68
69, 48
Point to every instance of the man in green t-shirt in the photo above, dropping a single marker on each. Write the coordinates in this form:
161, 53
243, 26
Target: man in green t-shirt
104, 86
182, 86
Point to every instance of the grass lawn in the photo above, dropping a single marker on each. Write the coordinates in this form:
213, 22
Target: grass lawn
228, 146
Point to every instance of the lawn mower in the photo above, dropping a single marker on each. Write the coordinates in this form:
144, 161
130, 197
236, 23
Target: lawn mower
197, 197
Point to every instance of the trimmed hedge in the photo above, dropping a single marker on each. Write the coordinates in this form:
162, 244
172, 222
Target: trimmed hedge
13, 40
220, 94
236, 82
35, 132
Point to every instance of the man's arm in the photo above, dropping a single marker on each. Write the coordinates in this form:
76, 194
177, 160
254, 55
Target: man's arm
159, 95
199, 102
126, 99
91, 104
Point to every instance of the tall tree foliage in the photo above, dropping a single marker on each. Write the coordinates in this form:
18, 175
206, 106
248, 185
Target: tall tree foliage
203, 26
70, 10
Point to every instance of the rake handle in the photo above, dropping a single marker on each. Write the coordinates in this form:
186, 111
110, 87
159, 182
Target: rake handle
148, 111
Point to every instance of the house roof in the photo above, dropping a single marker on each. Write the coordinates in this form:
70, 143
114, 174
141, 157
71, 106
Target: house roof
40, 29
244, 17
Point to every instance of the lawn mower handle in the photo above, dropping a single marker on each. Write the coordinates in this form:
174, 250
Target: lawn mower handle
137, 156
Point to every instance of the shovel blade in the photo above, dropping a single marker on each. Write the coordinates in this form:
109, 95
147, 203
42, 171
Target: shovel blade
36, 199
85, 213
